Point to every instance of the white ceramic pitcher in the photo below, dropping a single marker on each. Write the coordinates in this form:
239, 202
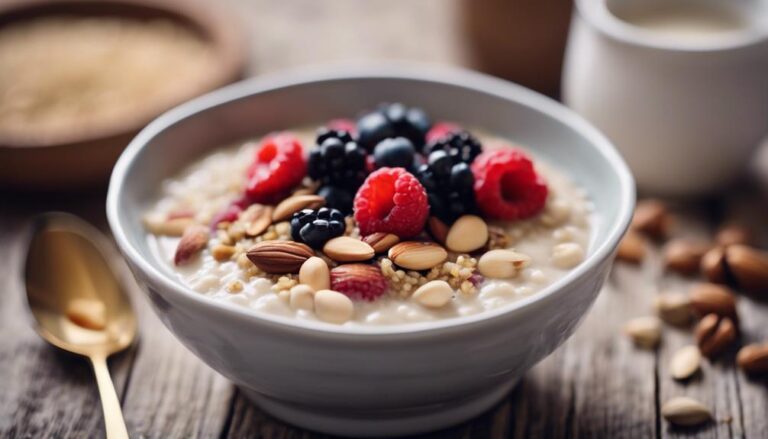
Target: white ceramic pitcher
685, 112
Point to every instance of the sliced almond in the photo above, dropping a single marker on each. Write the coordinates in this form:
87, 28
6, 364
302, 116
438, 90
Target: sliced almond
502, 264
433, 294
348, 249
467, 234
256, 219
293, 204
333, 307
192, 242
685, 362
644, 331
417, 255
685, 411
315, 273
381, 242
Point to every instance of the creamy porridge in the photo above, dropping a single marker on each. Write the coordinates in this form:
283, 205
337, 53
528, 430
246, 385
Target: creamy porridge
395, 251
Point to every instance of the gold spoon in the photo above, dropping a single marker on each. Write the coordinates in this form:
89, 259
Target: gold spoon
77, 300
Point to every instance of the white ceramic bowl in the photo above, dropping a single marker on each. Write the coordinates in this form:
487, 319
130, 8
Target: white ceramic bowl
372, 381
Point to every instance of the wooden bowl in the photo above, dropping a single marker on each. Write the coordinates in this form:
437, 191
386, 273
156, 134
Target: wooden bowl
84, 157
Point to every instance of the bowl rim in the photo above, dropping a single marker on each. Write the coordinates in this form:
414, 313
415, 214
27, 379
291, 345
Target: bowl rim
222, 33
457, 77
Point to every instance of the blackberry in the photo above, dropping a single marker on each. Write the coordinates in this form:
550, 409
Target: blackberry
337, 197
449, 185
316, 227
337, 159
460, 145
393, 120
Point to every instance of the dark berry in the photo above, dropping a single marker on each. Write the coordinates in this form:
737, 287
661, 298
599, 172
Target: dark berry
449, 186
460, 145
394, 152
393, 120
337, 197
316, 227
337, 159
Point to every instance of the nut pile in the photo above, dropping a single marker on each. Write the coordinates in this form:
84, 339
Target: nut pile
729, 264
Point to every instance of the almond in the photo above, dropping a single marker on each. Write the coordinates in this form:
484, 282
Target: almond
438, 229
417, 255
685, 411
467, 234
733, 234
160, 224
302, 297
644, 331
255, 219
712, 299
315, 273
749, 267
502, 264
192, 242
381, 242
433, 294
87, 313
293, 204
333, 307
753, 358
674, 308
713, 265
651, 218
685, 362
684, 256
348, 249
631, 248
714, 334
279, 256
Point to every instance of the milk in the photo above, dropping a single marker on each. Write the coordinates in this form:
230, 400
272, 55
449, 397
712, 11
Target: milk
683, 21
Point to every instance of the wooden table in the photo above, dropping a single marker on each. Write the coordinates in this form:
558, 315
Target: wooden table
596, 385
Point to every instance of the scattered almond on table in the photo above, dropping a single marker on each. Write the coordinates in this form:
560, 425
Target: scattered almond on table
685, 411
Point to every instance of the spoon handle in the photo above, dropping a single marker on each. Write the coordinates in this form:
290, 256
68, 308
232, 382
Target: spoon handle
113, 414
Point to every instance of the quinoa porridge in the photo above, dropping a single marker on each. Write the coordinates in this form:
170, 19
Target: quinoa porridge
418, 223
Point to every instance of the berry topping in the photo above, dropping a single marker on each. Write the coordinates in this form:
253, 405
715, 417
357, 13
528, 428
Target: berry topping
449, 185
441, 129
316, 227
278, 166
394, 152
460, 145
506, 185
337, 197
337, 160
359, 281
392, 201
393, 120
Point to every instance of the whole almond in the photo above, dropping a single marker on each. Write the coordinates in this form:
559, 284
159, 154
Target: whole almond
749, 267
192, 242
685, 362
160, 224
333, 307
753, 358
293, 204
632, 248
467, 234
502, 264
651, 218
684, 256
417, 255
348, 249
713, 265
673, 308
279, 257
709, 298
433, 294
714, 334
315, 273
438, 229
645, 332
256, 218
733, 234
685, 411
381, 242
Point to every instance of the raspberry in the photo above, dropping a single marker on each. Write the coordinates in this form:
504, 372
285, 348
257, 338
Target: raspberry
391, 200
359, 281
278, 166
506, 185
441, 129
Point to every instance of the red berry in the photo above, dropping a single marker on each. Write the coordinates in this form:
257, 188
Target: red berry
506, 185
359, 281
278, 166
229, 214
440, 129
391, 200
347, 125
